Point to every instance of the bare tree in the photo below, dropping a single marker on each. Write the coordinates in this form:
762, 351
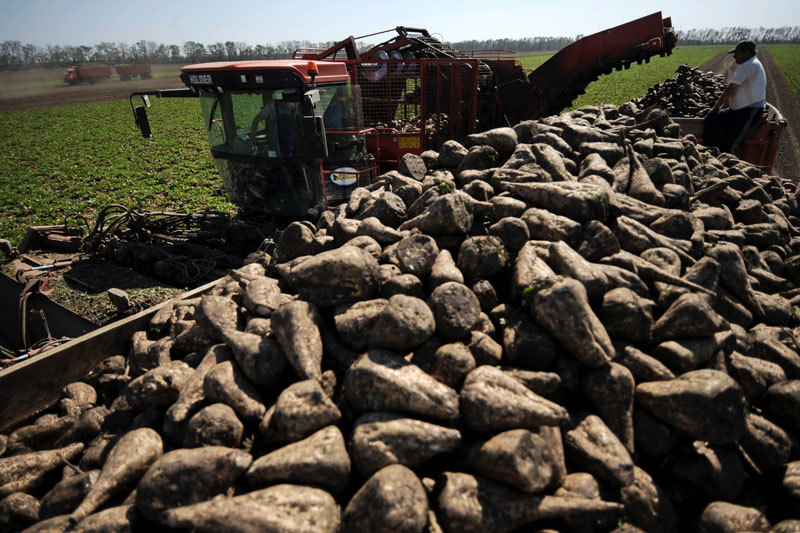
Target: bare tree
10, 55
732, 35
216, 52
231, 50
193, 51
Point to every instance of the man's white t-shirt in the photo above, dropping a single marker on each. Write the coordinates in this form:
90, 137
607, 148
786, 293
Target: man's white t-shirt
752, 82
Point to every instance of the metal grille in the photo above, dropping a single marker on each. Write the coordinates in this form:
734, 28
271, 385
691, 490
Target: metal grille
313, 53
493, 54
344, 171
433, 99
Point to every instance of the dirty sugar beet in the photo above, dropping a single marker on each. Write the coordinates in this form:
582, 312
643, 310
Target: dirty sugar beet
587, 322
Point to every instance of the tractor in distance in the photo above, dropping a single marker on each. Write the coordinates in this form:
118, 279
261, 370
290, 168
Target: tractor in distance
89, 74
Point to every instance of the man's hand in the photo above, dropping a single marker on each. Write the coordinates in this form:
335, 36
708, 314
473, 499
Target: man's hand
725, 99
251, 140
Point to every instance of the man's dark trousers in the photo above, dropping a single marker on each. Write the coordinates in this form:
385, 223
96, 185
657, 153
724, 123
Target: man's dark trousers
725, 128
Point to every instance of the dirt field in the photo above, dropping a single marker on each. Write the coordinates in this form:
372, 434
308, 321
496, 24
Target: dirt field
787, 162
63, 94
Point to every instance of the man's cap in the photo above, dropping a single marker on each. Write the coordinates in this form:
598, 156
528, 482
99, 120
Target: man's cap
748, 46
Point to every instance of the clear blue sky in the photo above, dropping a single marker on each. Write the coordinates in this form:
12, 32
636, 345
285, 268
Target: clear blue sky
88, 22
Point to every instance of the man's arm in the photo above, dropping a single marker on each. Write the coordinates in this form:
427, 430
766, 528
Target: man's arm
725, 99
267, 118
254, 127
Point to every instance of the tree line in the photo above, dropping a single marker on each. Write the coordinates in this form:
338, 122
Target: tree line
782, 35
728, 35
527, 44
15, 56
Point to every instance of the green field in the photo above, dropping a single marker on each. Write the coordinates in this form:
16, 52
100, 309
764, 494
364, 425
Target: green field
621, 86
533, 60
787, 57
81, 158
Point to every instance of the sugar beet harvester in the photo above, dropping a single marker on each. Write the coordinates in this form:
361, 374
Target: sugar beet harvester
293, 137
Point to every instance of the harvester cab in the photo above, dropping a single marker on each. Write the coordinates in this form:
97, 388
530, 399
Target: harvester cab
286, 135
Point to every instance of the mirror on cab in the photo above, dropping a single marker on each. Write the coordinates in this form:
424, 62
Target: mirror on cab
314, 130
140, 112
313, 125
314, 96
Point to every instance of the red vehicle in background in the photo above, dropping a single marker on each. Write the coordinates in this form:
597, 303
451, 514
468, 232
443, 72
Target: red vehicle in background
760, 144
91, 74
127, 72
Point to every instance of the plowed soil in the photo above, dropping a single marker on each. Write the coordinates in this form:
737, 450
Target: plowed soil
48, 96
787, 162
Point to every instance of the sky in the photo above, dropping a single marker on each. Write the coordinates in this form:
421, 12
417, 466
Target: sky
89, 22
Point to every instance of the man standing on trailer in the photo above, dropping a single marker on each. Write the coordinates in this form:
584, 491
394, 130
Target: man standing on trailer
742, 103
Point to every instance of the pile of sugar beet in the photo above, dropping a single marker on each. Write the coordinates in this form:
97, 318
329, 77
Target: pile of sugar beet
692, 93
583, 323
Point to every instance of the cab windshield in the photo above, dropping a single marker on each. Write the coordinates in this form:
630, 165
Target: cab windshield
268, 123
265, 159
340, 107
265, 124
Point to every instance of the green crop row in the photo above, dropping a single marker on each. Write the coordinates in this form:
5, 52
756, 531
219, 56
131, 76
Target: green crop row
533, 61
81, 158
787, 57
624, 85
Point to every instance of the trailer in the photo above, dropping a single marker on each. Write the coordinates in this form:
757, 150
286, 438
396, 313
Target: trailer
89, 74
759, 145
127, 72
32, 386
